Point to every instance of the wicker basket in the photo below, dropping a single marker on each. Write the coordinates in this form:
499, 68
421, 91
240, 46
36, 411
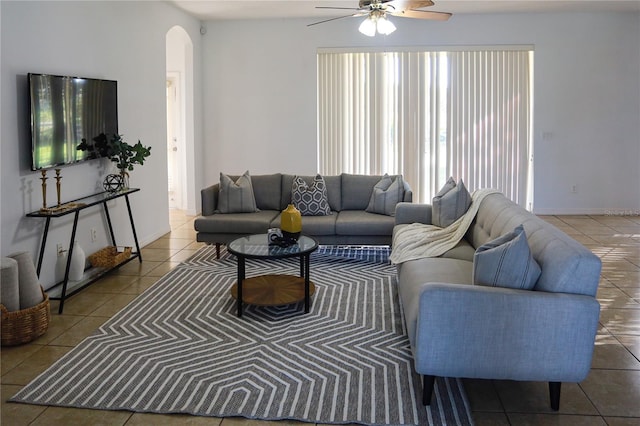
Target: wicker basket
25, 325
109, 257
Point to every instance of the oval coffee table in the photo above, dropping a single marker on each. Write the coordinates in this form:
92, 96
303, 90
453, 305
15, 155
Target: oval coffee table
272, 289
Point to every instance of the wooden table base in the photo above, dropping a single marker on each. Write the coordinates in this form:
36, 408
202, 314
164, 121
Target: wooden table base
272, 290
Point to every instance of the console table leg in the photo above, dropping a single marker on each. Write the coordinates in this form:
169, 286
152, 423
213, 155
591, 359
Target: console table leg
63, 295
106, 213
42, 245
133, 228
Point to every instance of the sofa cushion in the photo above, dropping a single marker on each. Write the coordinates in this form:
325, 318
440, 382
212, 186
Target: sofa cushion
236, 223
506, 262
356, 190
357, 222
312, 199
450, 203
236, 196
314, 225
463, 251
386, 194
412, 276
267, 190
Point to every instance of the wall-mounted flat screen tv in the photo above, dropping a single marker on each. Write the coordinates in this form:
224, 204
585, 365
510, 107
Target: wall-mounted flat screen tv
63, 111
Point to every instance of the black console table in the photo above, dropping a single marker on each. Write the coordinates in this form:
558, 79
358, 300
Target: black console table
65, 289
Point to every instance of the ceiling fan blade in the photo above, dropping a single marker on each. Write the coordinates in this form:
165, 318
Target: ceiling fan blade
399, 5
421, 14
339, 17
337, 8
407, 4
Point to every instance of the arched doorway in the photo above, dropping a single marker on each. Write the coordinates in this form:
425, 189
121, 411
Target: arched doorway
180, 122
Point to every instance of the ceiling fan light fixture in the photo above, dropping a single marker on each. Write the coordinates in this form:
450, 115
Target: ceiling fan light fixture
385, 26
368, 27
376, 12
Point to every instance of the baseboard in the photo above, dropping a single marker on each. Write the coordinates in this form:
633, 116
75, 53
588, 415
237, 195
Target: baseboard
153, 237
588, 211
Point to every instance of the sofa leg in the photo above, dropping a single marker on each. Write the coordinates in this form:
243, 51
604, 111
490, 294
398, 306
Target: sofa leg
217, 250
427, 389
554, 395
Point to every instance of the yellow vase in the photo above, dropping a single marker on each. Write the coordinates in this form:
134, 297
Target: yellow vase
291, 222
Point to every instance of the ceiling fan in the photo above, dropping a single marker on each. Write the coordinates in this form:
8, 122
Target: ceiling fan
376, 12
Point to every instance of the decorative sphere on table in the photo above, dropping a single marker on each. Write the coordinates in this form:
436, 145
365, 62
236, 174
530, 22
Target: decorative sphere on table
113, 183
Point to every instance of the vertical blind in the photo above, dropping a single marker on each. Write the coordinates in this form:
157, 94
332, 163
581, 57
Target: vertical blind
428, 116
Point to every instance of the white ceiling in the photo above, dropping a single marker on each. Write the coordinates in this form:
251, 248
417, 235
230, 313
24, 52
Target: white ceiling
263, 9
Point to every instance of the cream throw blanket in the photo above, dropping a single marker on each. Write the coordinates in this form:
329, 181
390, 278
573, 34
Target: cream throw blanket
418, 240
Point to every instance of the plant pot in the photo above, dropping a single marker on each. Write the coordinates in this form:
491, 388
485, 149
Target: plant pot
125, 179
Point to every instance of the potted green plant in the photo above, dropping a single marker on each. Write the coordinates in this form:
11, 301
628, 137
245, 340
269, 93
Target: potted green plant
117, 150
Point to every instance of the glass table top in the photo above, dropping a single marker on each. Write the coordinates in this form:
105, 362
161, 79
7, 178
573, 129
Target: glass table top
258, 246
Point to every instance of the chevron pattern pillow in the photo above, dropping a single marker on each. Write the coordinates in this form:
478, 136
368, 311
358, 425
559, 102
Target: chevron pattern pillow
506, 262
310, 200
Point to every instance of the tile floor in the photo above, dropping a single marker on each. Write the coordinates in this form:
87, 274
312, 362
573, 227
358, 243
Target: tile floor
609, 396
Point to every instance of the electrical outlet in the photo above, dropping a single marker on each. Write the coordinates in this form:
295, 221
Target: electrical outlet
574, 189
94, 235
59, 249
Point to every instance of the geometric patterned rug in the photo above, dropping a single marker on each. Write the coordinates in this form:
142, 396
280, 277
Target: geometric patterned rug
180, 348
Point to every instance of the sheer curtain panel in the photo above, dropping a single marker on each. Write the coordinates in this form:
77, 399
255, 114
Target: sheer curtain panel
489, 125
427, 115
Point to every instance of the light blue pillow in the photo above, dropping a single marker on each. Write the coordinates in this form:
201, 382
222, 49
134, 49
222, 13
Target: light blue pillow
386, 194
450, 203
236, 197
506, 262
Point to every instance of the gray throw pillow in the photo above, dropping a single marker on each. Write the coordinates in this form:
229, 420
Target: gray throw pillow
386, 194
9, 288
310, 200
236, 197
28, 284
450, 203
506, 262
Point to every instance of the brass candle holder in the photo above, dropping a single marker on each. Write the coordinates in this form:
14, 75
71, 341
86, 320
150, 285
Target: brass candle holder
44, 188
58, 184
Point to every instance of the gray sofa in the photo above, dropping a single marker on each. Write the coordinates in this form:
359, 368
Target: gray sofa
457, 329
348, 197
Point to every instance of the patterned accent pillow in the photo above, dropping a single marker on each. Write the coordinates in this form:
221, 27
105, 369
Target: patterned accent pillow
506, 262
236, 197
386, 194
310, 200
450, 203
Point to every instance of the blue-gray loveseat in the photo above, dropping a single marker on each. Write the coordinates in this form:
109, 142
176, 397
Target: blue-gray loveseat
457, 329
